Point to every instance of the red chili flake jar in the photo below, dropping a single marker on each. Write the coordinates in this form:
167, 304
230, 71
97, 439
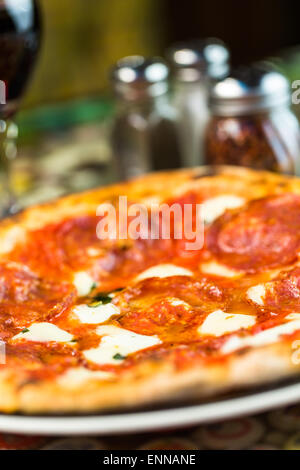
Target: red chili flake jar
252, 124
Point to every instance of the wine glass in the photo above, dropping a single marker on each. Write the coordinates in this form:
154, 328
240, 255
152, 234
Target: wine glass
19, 44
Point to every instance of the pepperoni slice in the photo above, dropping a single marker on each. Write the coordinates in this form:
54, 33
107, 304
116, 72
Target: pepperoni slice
201, 292
172, 308
164, 319
40, 360
56, 249
59, 250
263, 235
25, 298
283, 294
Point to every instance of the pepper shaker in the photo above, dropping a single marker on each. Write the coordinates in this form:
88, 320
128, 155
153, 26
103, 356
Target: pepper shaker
196, 65
144, 133
252, 124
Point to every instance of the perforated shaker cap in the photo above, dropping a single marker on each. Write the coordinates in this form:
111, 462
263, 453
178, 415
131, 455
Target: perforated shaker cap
194, 59
249, 90
136, 77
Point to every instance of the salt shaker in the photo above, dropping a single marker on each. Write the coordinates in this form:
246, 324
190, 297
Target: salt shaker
144, 133
196, 65
252, 124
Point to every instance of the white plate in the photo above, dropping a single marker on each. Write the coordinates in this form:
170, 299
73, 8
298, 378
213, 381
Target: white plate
143, 421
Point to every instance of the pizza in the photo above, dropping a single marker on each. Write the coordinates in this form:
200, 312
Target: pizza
93, 323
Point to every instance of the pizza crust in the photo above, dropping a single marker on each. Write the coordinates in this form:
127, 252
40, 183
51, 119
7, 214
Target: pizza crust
152, 384
170, 184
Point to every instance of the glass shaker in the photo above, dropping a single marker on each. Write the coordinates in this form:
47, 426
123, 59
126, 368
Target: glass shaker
252, 124
144, 133
196, 65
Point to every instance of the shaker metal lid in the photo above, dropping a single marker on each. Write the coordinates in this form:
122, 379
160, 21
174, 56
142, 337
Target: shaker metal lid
197, 58
135, 77
249, 90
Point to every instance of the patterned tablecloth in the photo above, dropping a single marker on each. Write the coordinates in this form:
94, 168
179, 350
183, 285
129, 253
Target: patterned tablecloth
278, 429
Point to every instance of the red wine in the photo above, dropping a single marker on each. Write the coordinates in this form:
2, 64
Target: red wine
19, 43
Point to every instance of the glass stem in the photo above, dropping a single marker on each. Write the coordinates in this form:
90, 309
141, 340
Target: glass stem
8, 152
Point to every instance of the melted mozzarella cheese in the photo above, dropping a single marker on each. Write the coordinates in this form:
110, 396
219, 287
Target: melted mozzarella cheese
217, 269
117, 343
293, 316
178, 303
164, 270
11, 237
93, 251
43, 332
212, 208
79, 375
95, 315
83, 283
261, 339
218, 323
257, 294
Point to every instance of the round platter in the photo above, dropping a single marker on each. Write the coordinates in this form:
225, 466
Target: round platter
152, 420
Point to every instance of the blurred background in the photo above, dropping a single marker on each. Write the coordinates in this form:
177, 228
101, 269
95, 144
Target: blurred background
82, 39
66, 113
